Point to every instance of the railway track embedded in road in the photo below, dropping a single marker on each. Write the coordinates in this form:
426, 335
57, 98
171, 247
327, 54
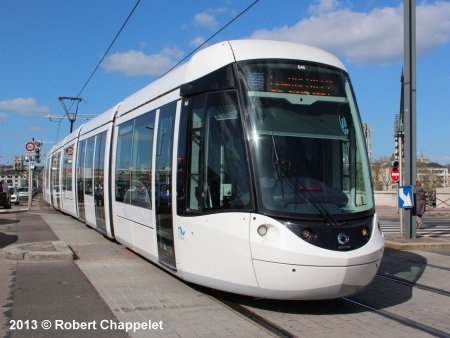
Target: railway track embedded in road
416, 262
416, 285
264, 322
400, 319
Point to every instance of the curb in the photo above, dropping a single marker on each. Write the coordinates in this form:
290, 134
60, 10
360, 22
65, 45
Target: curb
38, 251
398, 242
416, 246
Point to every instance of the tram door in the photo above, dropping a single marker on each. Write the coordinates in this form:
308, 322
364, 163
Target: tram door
163, 186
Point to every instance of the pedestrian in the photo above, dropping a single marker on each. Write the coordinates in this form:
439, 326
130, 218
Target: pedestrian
420, 204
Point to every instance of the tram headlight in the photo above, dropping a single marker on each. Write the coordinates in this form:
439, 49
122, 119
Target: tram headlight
262, 230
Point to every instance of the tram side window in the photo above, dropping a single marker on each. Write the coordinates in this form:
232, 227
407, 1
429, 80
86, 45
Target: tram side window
55, 172
218, 168
99, 168
196, 132
123, 160
64, 171
140, 170
134, 161
80, 169
88, 166
67, 170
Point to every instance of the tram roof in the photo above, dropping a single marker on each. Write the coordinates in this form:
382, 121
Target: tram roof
270, 49
204, 62
223, 53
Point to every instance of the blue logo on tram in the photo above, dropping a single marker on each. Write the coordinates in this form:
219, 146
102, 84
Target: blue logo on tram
181, 232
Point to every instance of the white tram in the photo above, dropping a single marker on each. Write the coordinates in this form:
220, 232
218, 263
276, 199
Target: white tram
244, 170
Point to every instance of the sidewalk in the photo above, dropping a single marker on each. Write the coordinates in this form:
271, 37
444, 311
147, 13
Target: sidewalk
391, 212
400, 242
106, 283
43, 289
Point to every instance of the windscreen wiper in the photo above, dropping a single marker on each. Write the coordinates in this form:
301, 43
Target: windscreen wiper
283, 170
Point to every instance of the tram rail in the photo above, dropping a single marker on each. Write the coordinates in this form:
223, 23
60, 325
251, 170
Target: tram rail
251, 315
280, 331
400, 319
417, 262
416, 285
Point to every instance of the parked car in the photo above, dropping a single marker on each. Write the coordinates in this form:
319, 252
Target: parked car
14, 195
23, 192
5, 196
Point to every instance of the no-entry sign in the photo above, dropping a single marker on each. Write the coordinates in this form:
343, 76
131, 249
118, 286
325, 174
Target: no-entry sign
29, 146
395, 174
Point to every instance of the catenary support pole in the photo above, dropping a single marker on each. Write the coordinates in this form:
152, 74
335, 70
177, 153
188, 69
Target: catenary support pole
410, 109
400, 156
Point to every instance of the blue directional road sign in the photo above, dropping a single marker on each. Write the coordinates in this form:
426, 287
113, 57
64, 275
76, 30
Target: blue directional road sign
405, 197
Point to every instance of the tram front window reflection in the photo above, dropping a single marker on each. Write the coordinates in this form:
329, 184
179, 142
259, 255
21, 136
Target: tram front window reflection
306, 139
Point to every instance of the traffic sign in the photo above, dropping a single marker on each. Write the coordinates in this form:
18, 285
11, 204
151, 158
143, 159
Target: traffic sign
405, 197
30, 146
69, 151
395, 174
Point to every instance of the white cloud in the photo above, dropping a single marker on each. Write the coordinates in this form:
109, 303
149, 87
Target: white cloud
206, 19
374, 37
134, 63
24, 107
173, 52
433, 25
197, 41
324, 6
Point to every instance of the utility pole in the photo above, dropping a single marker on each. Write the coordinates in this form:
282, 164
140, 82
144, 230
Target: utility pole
410, 109
29, 159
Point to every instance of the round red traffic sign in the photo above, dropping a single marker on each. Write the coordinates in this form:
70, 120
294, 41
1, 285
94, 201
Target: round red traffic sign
69, 151
29, 146
395, 174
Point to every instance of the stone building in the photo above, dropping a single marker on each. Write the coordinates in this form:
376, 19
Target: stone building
433, 175
13, 177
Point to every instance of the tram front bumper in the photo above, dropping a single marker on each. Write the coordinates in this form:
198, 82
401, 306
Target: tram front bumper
287, 281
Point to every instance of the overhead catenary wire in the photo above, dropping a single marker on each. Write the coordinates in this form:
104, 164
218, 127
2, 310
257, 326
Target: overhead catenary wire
181, 61
212, 36
109, 48
123, 26
106, 53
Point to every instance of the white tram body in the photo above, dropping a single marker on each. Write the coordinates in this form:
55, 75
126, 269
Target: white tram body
243, 170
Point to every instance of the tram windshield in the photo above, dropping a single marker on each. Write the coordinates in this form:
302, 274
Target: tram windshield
306, 139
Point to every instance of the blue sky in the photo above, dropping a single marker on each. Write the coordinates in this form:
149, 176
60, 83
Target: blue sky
49, 48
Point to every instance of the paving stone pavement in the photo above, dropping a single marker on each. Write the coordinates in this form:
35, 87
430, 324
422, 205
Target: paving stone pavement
6, 299
44, 290
138, 291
